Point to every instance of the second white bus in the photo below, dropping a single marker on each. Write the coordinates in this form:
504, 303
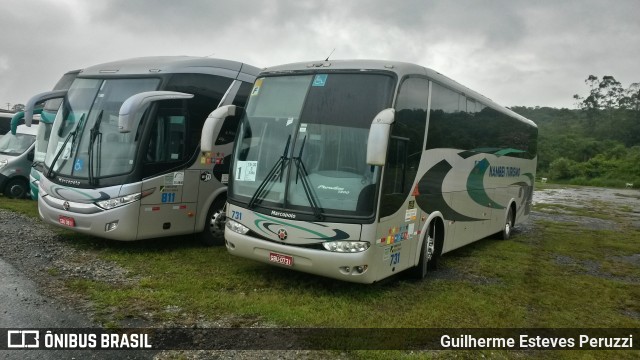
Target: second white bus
123, 159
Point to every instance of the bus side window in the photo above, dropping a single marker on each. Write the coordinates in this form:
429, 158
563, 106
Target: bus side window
396, 166
167, 139
406, 144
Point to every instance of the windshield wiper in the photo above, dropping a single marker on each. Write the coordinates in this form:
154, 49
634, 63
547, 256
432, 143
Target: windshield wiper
280, 164
73, 134
303, 175
94, 134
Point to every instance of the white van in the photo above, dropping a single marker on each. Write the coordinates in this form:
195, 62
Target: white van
16, 156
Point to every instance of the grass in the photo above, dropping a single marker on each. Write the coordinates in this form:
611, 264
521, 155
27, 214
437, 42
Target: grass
23, 206
557, 275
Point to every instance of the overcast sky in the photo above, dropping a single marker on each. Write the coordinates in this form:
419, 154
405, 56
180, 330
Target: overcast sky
529, 53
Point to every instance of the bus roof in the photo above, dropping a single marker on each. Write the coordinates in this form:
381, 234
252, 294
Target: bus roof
401, 69
171, 65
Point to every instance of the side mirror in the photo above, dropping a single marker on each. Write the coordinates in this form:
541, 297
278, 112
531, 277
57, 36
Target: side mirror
378, 140
212, 126
15, 121
30, 155
29, 107
134, 104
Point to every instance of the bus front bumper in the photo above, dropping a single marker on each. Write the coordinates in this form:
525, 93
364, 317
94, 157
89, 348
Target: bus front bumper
352, 267
120, 223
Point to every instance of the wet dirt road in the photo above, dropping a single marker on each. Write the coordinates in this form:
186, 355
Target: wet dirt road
623, 204
23, 307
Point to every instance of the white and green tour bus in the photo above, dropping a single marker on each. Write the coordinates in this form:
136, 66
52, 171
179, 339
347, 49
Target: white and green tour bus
357, 170
123, 159
46, 105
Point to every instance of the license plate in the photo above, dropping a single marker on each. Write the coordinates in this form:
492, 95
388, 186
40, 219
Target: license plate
285, 260
67, 221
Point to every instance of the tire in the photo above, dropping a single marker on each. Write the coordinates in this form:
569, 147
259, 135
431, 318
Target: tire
428, 258
213, 235
16, 188
505, 234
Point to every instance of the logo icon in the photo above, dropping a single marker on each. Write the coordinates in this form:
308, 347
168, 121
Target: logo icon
66, 205
20, 339
282, 234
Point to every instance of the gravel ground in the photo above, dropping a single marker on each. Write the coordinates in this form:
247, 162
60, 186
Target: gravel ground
48, 259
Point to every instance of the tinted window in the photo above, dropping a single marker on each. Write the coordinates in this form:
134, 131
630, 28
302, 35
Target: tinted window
175, 129
405, 147
473, 126
208, 91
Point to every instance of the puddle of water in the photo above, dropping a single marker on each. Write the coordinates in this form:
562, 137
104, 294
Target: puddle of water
622, 202
579, 197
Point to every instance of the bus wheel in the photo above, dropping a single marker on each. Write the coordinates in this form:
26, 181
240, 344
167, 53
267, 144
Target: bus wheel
428, 258
213, 233
16, 188
505, 234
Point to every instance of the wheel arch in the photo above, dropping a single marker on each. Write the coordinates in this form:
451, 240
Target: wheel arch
512, 205
204, 209
438, 220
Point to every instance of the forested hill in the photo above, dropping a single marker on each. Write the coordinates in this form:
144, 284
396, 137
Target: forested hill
597, 144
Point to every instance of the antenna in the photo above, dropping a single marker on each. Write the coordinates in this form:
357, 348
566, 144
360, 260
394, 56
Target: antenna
331, 53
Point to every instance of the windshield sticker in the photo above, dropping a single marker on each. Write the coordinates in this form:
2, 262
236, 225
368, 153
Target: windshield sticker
303, 128
246, 170
320, 80
256, 87
79, 165
66, 154
289, 121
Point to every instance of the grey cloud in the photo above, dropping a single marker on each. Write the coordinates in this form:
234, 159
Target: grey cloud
519, 52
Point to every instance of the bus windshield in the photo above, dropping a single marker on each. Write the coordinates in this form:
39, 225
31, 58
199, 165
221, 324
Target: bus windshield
85, 140
302, 143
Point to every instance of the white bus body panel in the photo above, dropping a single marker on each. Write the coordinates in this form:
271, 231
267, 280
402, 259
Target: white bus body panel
311, 260
89, 218
171, 208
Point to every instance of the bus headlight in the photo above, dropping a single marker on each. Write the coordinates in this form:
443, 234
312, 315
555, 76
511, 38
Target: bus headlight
119, 201
237, 227
346, 246
123, 200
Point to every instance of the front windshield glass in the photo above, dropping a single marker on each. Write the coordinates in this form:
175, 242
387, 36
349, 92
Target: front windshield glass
309, 132
15, 145
85, 139
42, 141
